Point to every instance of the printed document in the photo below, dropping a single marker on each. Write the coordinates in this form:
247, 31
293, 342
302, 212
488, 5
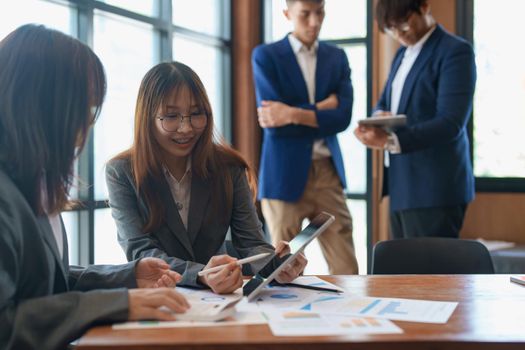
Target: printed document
302, 323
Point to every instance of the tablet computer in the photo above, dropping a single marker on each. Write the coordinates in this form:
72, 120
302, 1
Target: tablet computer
317, 226
385, 122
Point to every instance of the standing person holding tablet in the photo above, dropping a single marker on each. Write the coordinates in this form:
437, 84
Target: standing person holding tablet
432, 81
175, 193
51, 90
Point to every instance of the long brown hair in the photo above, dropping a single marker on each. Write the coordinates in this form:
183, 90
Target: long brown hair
211, 157
51, 89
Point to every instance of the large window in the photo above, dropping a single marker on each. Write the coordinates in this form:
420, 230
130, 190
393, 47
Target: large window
53, 15
498, 155
201, 40
59, 16
347, 25
116, 39
129, 36
499, 104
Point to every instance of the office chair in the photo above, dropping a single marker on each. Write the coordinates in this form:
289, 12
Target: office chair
431, 255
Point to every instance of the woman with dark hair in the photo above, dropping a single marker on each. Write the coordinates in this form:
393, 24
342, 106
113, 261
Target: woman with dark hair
432, 81
177, 191
51, 89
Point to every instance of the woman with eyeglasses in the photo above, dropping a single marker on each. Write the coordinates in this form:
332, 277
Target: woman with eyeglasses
432, 81
51, 89
178, 190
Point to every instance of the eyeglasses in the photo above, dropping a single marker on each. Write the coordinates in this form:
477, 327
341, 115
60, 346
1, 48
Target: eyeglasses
173, 121
397, 29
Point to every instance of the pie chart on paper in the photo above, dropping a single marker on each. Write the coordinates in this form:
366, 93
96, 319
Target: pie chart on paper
283, 296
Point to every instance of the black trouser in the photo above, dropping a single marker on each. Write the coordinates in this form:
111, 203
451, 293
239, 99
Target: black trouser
428, 222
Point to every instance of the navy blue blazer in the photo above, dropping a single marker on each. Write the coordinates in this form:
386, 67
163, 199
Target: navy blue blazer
287, 151
434, 168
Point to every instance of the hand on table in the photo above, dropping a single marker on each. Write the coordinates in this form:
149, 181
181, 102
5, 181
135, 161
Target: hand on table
146, 303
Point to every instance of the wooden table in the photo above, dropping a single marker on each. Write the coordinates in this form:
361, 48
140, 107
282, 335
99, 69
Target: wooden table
490, 315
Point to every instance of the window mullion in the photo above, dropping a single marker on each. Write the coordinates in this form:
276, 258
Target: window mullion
86, 161
166, 34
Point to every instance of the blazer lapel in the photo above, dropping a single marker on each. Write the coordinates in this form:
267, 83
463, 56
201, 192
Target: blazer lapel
173, 219
291, 67
200, 193
322, 71
395, 67
422, 59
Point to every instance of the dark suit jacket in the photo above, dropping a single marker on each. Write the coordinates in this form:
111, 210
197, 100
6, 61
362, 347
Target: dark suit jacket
187, 251
434, 168
287, 150
41, 303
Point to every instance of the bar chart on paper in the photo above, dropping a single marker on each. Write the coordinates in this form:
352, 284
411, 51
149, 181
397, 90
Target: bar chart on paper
303, 323
394, 309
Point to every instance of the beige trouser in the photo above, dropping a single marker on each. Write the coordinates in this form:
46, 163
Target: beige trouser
323, 192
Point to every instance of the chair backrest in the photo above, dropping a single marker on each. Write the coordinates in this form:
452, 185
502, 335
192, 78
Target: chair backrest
431, 255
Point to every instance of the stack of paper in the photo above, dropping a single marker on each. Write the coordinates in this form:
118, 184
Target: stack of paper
293, 311
302, 312
496, 245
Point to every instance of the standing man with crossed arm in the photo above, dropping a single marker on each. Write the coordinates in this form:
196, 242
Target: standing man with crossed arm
304, 97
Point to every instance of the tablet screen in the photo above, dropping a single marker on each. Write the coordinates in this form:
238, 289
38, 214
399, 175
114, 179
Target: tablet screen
387, 122
317, 226
304, 237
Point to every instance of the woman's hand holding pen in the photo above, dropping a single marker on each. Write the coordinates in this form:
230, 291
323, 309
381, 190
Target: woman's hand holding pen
293, 270
226, 280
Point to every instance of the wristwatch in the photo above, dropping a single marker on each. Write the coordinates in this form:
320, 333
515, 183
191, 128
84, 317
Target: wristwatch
390, 142
391, 145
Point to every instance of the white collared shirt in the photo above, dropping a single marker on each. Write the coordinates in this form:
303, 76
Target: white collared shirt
54, 219
181, 191
307, 60
409, 58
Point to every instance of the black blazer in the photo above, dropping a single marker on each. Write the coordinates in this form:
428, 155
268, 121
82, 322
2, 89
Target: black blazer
41, 306
187, 251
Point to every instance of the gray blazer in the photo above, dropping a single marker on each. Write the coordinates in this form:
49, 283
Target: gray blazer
187, 251
44, 303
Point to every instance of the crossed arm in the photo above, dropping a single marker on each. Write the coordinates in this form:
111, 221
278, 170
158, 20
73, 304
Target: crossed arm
280, 118
274, 114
